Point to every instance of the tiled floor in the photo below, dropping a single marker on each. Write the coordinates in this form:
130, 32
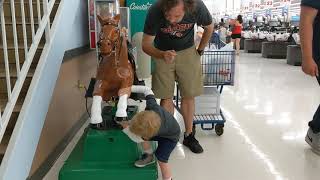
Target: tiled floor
267, 113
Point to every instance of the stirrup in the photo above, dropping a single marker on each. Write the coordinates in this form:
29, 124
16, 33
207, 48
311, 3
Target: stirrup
98, 126
120, 119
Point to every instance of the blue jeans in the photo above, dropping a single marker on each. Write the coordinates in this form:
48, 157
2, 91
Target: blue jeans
315, 123
164, 149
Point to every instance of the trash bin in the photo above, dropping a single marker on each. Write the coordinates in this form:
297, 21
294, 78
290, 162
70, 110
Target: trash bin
294, 55
252, 45
274, 50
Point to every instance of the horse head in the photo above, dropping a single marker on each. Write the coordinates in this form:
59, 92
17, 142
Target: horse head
109, 37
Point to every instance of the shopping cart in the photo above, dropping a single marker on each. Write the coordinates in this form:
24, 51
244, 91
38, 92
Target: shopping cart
218, 69
215, 41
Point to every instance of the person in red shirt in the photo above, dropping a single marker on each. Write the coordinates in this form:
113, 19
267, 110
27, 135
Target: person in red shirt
236, 32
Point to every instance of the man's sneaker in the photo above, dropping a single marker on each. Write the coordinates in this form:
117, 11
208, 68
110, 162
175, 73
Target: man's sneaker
146, 159
313, 139
193, 144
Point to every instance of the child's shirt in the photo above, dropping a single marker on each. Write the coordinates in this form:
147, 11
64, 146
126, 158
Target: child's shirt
169, 128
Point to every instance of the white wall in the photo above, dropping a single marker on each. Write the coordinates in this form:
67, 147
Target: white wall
17, 161
80, 31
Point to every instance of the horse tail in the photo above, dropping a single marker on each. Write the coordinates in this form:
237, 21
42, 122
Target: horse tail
132, 62
133, 65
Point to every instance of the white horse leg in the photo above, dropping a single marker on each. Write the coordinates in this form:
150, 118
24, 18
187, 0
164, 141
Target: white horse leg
96, 117
122, 106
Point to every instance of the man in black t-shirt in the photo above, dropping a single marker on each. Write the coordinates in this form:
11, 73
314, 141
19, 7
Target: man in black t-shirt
169, 39
310, 44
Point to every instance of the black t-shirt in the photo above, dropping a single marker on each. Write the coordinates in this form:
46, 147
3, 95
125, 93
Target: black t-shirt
316, 28
179, 36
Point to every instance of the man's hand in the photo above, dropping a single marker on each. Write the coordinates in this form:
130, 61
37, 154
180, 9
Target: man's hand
148, 47
169, 56
310, 67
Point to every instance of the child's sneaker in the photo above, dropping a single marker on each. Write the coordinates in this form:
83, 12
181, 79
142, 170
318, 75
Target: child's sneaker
313, 139
146, 159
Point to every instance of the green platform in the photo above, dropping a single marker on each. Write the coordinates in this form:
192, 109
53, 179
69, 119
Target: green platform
106, 154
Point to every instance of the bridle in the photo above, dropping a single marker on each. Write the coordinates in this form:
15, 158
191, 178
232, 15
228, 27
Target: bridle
114, 44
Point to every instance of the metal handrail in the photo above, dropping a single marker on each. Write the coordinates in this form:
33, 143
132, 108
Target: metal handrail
29, 52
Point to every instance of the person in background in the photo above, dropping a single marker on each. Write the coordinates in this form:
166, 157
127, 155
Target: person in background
198, 36
251, 27
223, 32
310, 45
236, 32
169, 39
215, 41
216, 27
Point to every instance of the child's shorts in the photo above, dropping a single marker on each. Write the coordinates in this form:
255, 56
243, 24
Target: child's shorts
165, 147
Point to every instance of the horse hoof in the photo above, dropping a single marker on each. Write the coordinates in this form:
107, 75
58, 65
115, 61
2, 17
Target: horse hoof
120, 119
98, 126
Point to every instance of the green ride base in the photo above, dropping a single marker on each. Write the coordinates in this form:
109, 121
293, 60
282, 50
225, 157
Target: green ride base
106, 154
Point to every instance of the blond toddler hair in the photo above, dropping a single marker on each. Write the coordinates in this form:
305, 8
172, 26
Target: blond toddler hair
145, 124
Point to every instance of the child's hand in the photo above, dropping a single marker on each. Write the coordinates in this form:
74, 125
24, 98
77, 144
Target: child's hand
124, 124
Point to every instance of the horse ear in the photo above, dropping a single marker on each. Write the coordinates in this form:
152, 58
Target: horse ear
117, 18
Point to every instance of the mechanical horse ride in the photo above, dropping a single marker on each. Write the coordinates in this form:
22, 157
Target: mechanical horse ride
115, 74
107, 152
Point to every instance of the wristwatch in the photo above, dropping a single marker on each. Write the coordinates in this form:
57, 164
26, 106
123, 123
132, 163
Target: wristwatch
200, 52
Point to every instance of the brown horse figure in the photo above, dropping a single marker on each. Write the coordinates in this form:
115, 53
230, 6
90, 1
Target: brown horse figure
115, 73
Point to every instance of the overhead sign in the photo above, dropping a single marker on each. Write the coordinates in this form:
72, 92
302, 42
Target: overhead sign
256, 4
268, 12
138, 13
285, 10
295, 18
245, 5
